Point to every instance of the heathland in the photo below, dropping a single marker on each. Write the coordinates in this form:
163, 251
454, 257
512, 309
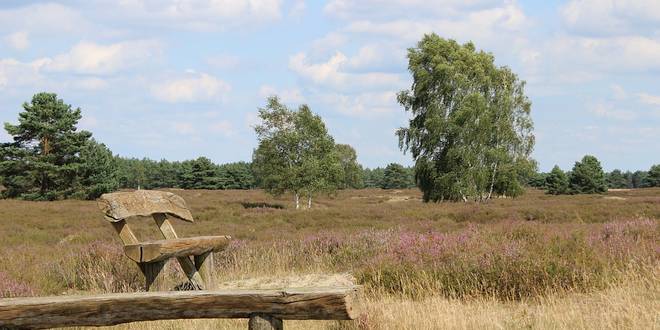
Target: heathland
537, 261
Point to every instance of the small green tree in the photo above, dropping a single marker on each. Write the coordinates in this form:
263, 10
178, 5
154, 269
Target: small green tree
616, 180
373, 178
653, 177
587, 177
640, 179
42, 162
352, 177
200, 173
395, 177
556, 182
295, 152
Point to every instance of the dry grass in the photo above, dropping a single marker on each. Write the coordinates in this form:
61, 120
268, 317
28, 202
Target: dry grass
539, 261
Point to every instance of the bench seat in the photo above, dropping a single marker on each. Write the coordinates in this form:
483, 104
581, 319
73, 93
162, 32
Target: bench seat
151, 251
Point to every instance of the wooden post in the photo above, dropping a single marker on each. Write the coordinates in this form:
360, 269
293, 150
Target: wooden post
264, 322
154, 275
204, 264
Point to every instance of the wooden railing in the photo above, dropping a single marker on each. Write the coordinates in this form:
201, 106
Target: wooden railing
265, 308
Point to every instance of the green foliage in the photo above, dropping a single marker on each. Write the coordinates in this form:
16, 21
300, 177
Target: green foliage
640, 179
352, 170
471, 131
538, 180
654, 176
236, 176
617, 180
49, 159
373, 178
556, 182
396, 176
587, 177
295, 152
97, 172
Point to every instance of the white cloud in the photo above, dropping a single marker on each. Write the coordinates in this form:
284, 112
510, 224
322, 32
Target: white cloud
333, 74
18, 40
358, 8
14, 73
611, 17
195, 87
368, 104
649, 99
330, 42
291, 95
43, 19
298, 8
201, 15
92, 58
480, 25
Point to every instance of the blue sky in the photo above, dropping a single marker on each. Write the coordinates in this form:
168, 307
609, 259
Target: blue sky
179, 79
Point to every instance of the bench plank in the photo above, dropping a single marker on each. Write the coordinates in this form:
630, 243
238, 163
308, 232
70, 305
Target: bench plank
179, 247
333, 303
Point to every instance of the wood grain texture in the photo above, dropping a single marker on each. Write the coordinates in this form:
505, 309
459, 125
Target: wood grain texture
204, 264
180, 247
154, 275
121, 205
334, 303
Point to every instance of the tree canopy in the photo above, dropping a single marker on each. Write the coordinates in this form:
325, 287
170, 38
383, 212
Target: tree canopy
49, 158
587, 177
295, 152
471, 132
556, 182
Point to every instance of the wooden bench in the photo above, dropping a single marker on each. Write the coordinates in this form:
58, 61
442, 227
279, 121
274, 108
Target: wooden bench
265, 308
151, 256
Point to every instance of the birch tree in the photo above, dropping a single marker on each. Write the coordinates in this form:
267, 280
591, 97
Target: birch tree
470, 131
295, 153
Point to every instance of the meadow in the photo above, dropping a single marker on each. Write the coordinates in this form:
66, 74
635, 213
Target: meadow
538, 261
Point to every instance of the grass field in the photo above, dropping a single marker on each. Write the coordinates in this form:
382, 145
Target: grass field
539, 261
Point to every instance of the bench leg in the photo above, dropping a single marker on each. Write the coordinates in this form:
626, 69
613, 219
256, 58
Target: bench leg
154, 275
204, 265
264, 322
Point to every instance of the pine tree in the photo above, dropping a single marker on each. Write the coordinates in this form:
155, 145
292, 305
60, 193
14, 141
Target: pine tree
43, 161
587, 177
556, 182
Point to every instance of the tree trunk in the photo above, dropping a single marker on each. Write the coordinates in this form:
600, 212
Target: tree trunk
492, 182
309, 201
297, 199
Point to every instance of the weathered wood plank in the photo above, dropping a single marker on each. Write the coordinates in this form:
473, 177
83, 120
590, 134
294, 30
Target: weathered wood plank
121, 205
187, 265
154, 275
204, 265
287, 304
180, 247
125, 233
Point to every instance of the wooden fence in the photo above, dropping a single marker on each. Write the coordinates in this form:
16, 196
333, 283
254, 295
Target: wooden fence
265, 308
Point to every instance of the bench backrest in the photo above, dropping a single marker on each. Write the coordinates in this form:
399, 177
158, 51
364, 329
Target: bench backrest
119, 206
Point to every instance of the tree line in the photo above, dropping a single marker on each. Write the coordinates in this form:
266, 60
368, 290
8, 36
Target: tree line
588, 177
470, 135
50, 159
